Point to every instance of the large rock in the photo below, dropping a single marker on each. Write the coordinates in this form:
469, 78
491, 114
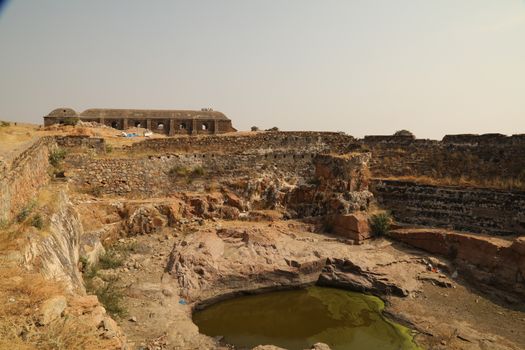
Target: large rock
233, 200
246, 256
52, 309
483, 259
354, 226
91, 248
143, 220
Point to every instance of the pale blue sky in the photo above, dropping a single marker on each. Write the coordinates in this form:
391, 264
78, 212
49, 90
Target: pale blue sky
359, 66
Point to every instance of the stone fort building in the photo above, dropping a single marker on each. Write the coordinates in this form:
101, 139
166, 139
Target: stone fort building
169, 122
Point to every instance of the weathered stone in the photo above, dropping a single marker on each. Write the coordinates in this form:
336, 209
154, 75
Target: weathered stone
91, 248
482, 259
354, 226
52, 309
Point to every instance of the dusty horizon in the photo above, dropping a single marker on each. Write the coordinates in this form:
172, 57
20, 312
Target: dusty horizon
364, 69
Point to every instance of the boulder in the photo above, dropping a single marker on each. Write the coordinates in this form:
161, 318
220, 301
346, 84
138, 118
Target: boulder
233, 200
229, 213
90, 247
144, 220
354, 226
52, 309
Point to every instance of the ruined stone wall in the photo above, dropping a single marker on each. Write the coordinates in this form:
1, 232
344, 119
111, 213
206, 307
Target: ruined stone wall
81, 141
162, 175
468, 209
23, 177
483, 158
315, 142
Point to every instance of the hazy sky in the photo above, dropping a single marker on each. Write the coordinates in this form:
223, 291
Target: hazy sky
359, 66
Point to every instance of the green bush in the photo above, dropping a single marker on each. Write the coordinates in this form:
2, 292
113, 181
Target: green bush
4, 223
57, 156
178, 170
315, 181
4, 124
380, 223
328, 227
404, 133
198, 171
111, 296
71, 121
95, 191
25, 212
110, 260
37, 221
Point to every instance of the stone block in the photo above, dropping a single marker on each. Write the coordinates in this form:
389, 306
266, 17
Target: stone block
354, 226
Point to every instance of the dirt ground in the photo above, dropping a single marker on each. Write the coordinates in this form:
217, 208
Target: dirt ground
445, 315
459, 317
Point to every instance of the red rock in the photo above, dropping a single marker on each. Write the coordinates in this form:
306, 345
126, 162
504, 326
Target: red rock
233, 200
487, 259
353, 225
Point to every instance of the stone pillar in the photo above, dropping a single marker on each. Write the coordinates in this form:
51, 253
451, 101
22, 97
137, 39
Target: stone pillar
124, 123
148, 124
172, 128
215, 126
194, 126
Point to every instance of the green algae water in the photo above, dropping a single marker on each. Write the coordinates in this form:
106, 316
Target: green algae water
297, 319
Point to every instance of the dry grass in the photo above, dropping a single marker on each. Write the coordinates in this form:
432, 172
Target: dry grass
496, 183
16, 138
22, 293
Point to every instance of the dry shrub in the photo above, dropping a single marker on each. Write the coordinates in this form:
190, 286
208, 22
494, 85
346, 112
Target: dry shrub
22, 293
27, 290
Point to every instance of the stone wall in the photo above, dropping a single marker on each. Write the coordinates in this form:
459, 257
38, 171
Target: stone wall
264, 142
300, 184
162, 175
483, 158
81, 141
468, 209
23, 177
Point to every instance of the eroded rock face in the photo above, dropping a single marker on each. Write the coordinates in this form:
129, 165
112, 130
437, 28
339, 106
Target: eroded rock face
238, 257
58, 252
487, 260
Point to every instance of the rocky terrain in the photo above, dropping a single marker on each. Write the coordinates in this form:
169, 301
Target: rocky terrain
223, 259
115, 247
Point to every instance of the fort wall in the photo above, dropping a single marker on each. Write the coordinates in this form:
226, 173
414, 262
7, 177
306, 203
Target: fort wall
167, 174
467, 209
330, 142
482, 158
289, 156
23, 177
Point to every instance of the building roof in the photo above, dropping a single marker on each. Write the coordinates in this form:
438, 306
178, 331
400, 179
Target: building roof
109, 113
151, 114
